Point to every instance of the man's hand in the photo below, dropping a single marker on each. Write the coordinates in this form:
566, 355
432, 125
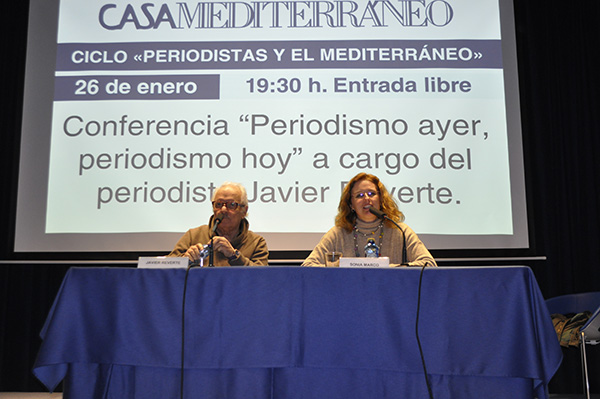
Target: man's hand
223, 245
193, 252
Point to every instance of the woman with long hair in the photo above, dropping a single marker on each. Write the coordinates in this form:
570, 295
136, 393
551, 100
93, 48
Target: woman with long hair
356, 224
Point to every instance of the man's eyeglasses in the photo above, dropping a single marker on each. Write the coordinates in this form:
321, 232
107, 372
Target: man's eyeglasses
365, 194
231, 205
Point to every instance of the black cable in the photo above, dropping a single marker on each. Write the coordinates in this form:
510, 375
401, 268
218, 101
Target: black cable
417, 333
211, 254
187, 272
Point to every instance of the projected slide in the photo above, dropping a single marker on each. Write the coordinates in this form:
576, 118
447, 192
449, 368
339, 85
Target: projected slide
156, 104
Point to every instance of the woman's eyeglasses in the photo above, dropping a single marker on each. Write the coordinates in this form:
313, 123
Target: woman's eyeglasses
231, 205
365, 194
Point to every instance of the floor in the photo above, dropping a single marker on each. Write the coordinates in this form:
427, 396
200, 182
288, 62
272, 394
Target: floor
42, 395
30, 395
564, 396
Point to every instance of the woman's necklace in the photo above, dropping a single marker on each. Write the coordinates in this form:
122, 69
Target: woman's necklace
356, 233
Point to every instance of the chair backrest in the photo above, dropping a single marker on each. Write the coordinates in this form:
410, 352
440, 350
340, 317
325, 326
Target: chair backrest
592, 327
574, 303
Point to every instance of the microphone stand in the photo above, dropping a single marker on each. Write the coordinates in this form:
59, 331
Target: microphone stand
382, 215
211, 255
404, 256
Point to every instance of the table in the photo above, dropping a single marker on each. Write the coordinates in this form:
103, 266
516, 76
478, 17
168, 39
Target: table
297, 332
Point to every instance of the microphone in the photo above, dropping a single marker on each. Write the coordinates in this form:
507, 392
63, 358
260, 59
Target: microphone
216, 222
382, 215
377, 213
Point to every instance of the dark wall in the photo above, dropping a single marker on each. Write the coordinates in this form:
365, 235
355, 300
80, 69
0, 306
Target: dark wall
558, 71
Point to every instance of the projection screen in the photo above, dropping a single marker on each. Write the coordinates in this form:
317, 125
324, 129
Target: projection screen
135, 111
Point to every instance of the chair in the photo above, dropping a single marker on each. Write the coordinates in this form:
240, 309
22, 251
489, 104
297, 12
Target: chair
589, 333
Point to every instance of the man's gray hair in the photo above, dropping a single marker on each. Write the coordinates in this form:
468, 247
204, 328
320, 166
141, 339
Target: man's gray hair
239, 186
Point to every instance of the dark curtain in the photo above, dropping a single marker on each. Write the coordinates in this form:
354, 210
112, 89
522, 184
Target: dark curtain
558, 72
558, 68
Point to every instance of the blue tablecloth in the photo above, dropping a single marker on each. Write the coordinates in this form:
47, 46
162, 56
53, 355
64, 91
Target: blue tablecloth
290, 332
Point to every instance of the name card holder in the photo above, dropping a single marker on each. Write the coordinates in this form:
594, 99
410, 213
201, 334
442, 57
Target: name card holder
162, 262
365, 262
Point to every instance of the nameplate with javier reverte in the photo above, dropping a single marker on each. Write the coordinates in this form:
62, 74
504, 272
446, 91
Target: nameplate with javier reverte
162, 262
